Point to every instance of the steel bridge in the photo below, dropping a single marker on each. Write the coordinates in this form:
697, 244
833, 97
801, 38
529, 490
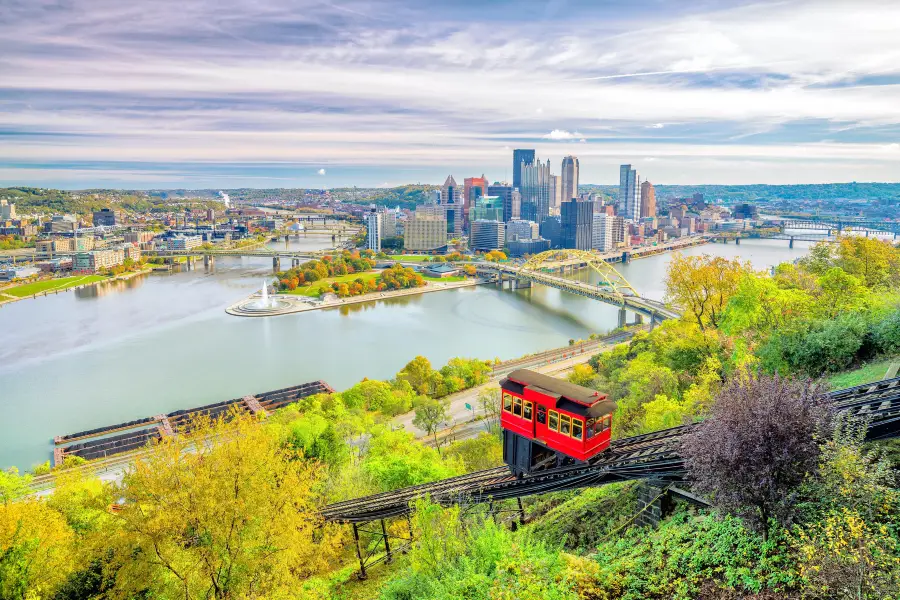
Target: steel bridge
652, 456
613, 288
841, 225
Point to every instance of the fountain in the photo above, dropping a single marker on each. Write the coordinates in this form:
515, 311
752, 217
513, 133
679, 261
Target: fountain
261, 306
264, 301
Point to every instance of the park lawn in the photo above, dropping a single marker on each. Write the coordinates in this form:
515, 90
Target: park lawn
455, 278
29, 289
866, 374
314, 289
410, 257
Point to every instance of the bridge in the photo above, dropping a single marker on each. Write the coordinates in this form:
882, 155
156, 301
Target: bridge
841, 225
612, 288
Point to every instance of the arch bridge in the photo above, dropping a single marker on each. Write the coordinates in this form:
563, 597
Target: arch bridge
612, 288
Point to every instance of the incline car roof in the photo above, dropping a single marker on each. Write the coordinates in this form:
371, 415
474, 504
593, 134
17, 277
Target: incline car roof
557, 387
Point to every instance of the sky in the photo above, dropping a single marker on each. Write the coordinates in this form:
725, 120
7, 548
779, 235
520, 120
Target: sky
303, 93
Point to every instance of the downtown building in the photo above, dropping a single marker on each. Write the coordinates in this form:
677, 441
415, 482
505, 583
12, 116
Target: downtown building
511, 198
473, 189
374, 231
577, 222
487, 235
648, 200
426, 230
453, 206
535, 191
602, 238
520, 158
629, 205
569, 177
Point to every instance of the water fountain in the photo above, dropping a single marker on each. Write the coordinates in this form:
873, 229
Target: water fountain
264, 301
262, 306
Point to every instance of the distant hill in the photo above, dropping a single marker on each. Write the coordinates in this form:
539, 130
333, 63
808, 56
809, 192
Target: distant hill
767, 193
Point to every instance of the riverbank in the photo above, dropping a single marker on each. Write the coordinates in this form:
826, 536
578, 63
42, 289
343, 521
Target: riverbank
286, 304
65, 284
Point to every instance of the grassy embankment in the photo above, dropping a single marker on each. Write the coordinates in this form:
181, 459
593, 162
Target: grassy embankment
410, 257
51, 285
874, 371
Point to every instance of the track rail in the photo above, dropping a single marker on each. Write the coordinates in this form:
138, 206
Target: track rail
652, 455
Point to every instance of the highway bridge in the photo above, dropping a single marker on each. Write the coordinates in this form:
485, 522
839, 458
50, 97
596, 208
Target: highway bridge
612, 288
841, 224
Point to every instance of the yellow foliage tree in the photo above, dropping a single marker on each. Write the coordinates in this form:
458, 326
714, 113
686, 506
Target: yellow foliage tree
36, 550
702, 285
221, 512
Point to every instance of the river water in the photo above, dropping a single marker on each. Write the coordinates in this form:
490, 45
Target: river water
157, 343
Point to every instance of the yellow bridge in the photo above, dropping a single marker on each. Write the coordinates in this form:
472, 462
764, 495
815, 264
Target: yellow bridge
612, 288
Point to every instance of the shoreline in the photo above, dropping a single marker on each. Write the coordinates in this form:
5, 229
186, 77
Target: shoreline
7, 299
296, 305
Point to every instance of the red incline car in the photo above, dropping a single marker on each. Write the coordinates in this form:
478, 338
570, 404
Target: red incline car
549, 422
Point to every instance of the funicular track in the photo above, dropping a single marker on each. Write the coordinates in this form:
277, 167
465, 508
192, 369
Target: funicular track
648, 456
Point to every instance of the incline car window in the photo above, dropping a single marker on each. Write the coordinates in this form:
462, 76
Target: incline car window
507, 402
565, 424
554, 420
527, 413
517, 407
576, 428
542, 414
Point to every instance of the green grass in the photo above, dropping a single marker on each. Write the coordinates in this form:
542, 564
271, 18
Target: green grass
455, 278
866, 374
410, 257
314, 289
29, 289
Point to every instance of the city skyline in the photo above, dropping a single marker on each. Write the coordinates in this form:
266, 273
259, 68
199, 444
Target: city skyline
293, 94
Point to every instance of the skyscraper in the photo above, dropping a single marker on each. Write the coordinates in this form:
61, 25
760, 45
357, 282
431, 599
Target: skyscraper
506, 194
453, 206
569, 176
473, 188
577, 220
602, 232
629, 205
520, 157
373, 231
487, 235
648, 200
556, 194
535, 190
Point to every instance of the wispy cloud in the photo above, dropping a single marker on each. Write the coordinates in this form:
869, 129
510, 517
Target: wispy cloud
380, 84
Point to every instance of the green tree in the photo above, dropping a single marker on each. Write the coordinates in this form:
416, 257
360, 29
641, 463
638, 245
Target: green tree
431, 417
418, 373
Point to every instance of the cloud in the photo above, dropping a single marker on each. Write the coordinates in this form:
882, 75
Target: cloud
321, 171
561, 134
655, 126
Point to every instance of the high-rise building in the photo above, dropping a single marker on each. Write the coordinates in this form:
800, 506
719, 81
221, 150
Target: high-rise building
473, 188
556, 194
520, 157
373, 231
535, 191
7, 210
602, 238
487, 208
620, 230
517, 229
551, 230
577, 219
389, 223
105, 217
569, 177
453, 206
648, 200
505, 192
629, 205
426, 230
487, 235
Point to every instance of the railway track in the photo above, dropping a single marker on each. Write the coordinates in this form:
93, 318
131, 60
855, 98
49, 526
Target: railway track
653, 455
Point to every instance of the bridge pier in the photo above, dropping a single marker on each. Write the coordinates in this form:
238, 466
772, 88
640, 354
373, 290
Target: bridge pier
295, 262
791, 243
209, 261
521, 283
623, 318
737, 241
276, 264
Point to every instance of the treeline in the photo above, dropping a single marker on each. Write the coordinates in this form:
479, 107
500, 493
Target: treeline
887, 193
345, 263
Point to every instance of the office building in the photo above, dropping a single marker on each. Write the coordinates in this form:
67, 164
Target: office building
517, 229
98, 259
487, 235
519, 248
473, 189
520, 157
551, 229
7, 210
105, 217
452, 202
577, 221
389, 224
569, 176
184, 242
629, 205
620, 231
426, 230
83, 243
556, 194
745, 211
535, 190
602, 238
648, 200
373, 231
506, 195
139, 237
61, 224
487, 208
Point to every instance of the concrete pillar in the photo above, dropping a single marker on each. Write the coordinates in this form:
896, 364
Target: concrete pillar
276, 264
623, 317
737, 241
653, 503
652, 321
638, 318
791, 243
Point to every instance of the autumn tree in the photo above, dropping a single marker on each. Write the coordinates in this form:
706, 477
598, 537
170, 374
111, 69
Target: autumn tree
582, 375
418, 373
757, 447
702, 285
223, 511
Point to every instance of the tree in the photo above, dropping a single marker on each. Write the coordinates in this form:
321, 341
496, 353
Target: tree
13, 485
431, 415
489, 401
582, 375
702, 285
418, 373
223, 511
758, 446
875, 261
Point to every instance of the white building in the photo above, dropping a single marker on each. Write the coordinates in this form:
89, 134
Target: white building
184, 242
602, 238
374, 231
518, 229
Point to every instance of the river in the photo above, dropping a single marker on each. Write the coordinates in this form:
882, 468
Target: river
157, 343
